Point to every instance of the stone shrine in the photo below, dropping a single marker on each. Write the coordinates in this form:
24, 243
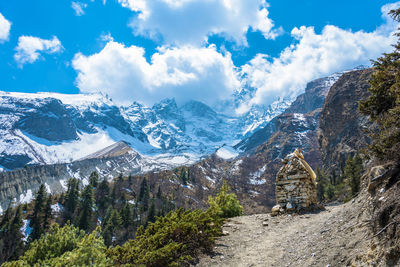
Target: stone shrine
296, 187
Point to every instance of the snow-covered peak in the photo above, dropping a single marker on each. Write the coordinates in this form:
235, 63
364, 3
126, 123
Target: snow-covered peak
44, 128
66, 99
331, 79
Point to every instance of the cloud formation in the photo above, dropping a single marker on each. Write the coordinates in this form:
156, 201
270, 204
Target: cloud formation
30, 47
5, 27
313, 56
192, 21
184, 73
202, 73
79, 7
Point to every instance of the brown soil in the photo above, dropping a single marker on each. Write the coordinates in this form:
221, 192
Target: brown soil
338, 236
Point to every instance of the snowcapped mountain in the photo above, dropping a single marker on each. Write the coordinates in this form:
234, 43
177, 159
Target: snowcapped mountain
48, 128
88, 133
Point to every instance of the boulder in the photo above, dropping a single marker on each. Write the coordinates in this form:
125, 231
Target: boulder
276, 210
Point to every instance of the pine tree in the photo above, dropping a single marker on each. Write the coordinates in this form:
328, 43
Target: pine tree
144, 195
48, 214
329, 192
383, 104
11, 244
126, 215
159, 194
71, 199
151, 217
184, 176
103, 195
322, 183
87, 204
16, 235
37, 216
114, 198
111, 227
94, 179
353, 172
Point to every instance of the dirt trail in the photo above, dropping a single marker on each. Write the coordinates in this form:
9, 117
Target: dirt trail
335, 237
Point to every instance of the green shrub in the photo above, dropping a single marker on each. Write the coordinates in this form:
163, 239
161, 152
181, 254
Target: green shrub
66, 246
225, 205
170, 241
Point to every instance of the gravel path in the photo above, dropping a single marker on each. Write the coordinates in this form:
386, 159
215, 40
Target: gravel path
335, 237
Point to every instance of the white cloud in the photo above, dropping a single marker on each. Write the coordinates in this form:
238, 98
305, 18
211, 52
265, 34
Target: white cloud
192, 21
184, 73
5, 26
315, 55
29, 48
79, 7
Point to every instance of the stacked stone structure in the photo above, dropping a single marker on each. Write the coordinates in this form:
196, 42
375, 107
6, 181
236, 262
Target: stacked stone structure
296, 187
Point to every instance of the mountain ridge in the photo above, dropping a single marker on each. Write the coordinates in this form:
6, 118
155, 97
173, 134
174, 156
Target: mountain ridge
48, 130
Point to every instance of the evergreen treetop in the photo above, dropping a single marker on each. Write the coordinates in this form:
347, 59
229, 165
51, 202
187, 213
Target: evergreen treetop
383, 105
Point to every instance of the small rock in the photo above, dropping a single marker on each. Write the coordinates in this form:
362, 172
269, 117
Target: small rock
325, 230
222, 257
275, 210
312, 254
265, 223
225, 232
382, 190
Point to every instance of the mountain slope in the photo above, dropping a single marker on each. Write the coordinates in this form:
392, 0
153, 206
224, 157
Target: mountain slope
182, 133
342, 129
48, 128
312, 99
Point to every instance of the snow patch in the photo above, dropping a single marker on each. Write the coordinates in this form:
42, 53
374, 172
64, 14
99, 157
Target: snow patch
25, 198
64, 184
255, 177
299, 116
227, 152
48, 189
236, 166
57, 208
26, 230
210, 179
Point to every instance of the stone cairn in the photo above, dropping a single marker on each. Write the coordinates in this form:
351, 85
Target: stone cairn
296, 188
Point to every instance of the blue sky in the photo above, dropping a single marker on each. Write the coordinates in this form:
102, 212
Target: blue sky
146, 50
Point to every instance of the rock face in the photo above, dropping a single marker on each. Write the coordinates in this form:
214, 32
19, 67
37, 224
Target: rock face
295, 183
303, 114
341, 127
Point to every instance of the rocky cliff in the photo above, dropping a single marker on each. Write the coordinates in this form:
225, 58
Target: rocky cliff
341, 127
